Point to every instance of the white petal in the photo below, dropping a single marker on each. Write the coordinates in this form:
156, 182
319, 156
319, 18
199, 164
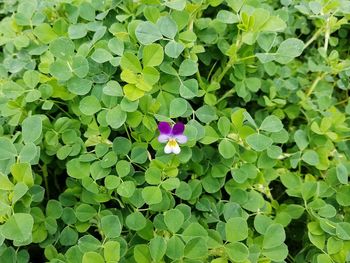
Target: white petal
163, 138
176, 149
181, 139
168, 148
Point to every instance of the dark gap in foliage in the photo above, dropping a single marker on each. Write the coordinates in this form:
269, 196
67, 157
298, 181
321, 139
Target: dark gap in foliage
294, 235
277, 190
36, 253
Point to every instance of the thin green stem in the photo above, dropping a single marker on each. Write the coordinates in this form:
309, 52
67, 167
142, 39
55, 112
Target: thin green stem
45, 176
200, 81
246, 58
314, 84
127, 132
211, 70
226, 95
327, 34
233, 59
314, 37
226, 68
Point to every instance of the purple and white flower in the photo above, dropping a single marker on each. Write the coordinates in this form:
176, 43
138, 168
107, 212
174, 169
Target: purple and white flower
173, 136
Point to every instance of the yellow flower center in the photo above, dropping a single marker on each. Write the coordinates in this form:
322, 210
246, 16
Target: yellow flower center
172, 142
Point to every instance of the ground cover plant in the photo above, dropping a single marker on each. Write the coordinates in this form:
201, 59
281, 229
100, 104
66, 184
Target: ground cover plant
174, 131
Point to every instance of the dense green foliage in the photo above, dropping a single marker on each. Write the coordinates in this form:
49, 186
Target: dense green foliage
262, 86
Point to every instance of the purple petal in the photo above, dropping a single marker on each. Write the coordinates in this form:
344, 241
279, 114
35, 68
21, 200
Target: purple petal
163, 138
164, 127
178, 129
181, 138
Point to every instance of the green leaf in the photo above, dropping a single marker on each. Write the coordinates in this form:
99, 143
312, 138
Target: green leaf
80, 66
131, 62
194, 230
334, 245
44, 33
300, 139
152, 55
62, 47
188, 67
139, 154
54, 209
173, 219
327, 211
89, 105
310, 157
31, 129
87, 11
5, 183
206, 114
31, 78
189, 89
111, 251
167, 26
224, 126
271, 124
116, 46
101, 55
79, 86
176, 4
126, 189
112, 182
22, 172
85, 212
343, 230
152, 195
147, 33
77, 31
132, 92
196, 248
151, 77
77, 169
19, 191
259, 142
261, 223
323, 258
92, 257
28, 153
174, 49
111, 226
342, 173
265, 57
61, 70
157, 248
18, 227
274, 24
136, 221
175, 248
276, 253
116, 117
274, 236
343, 195
177, 108
236, 229
288, 50
88, 243
226, 17
7, 149
237, 251
227, 149
274, 151
142, 254
210, 135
